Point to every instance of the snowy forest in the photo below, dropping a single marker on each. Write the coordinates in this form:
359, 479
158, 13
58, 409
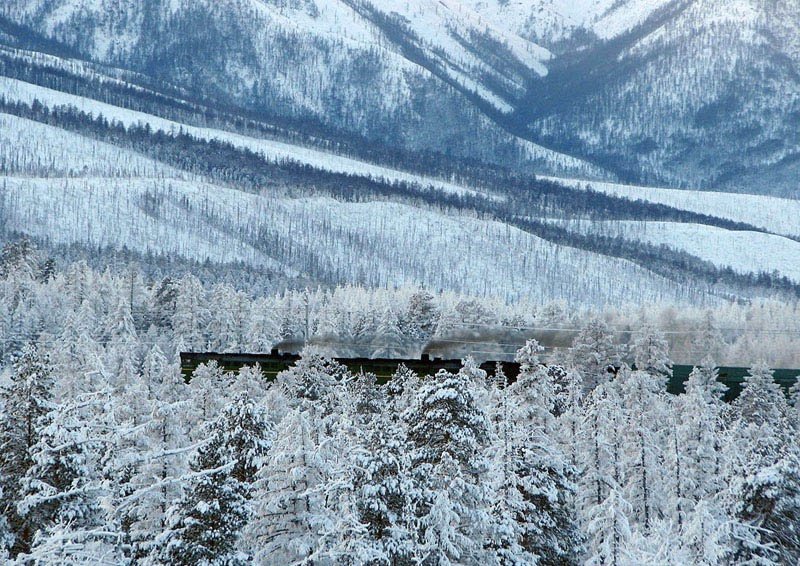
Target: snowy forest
110, 455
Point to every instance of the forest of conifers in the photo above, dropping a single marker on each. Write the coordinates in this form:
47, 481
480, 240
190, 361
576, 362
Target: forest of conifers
110, 457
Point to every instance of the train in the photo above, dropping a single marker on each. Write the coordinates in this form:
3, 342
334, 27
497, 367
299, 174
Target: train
275, 362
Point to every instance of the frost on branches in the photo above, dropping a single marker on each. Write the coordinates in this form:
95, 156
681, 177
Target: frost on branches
109, 455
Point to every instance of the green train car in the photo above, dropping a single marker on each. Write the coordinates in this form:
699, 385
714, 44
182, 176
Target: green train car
275, 362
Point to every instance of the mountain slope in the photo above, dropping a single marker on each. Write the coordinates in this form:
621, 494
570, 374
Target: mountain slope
375, 69
705, 93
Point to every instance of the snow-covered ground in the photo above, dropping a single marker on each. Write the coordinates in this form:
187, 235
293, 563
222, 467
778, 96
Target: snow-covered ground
744, 252
777, 215
374, 243
272, 150
32, 148
16, 90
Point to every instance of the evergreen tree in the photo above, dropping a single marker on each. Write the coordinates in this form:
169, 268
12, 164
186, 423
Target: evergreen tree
421, 316
447, 433
389, 340
25, 401
58, 486
769, 501
537, 477
763, 471
401, 391
385, 494
594, 354
289, 503
609, 531
205, 527
644, 409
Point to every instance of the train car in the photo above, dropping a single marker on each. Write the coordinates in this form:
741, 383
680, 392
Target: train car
383, 368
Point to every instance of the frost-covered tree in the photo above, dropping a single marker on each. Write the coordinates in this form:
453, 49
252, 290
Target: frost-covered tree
208, 391
763, 470
768, 500
385, 494
707, 343
401, 391
609, 531
191, 314
60, 486
693, 444
594, 353
289, 504
536, 474
24, 402
447, 433
205, 526
644, 410
313, 378
421, 316
389, 340
706, 536
761, 420
651, 353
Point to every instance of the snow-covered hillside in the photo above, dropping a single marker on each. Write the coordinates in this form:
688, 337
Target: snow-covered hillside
18, 91
777, 215
375, 243
33, 148
707, 94
357, 66
551, 21
742, 251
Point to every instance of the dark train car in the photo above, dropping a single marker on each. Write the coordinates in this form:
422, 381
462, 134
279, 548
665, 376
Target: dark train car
275, 362
732, 377
384, 368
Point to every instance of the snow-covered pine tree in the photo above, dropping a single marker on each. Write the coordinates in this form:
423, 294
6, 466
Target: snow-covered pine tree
385, 493
290, 508
205, 526
389, 340
536, 478
768, 500
651, 353
313, 379
599, 450
401, 391
593, 353
569, 407
609, 531
708, 343
421, 316
693, 447
761, 420
706, 534
191, 314
208, 391
251, 380
23, 404
794, 398
763, 472
262, 327
448, 433
62, 489
151, 446
644, 410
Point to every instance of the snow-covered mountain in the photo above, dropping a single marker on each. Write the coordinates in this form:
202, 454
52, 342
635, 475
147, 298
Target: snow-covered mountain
703, 93
552, 22
397, 132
